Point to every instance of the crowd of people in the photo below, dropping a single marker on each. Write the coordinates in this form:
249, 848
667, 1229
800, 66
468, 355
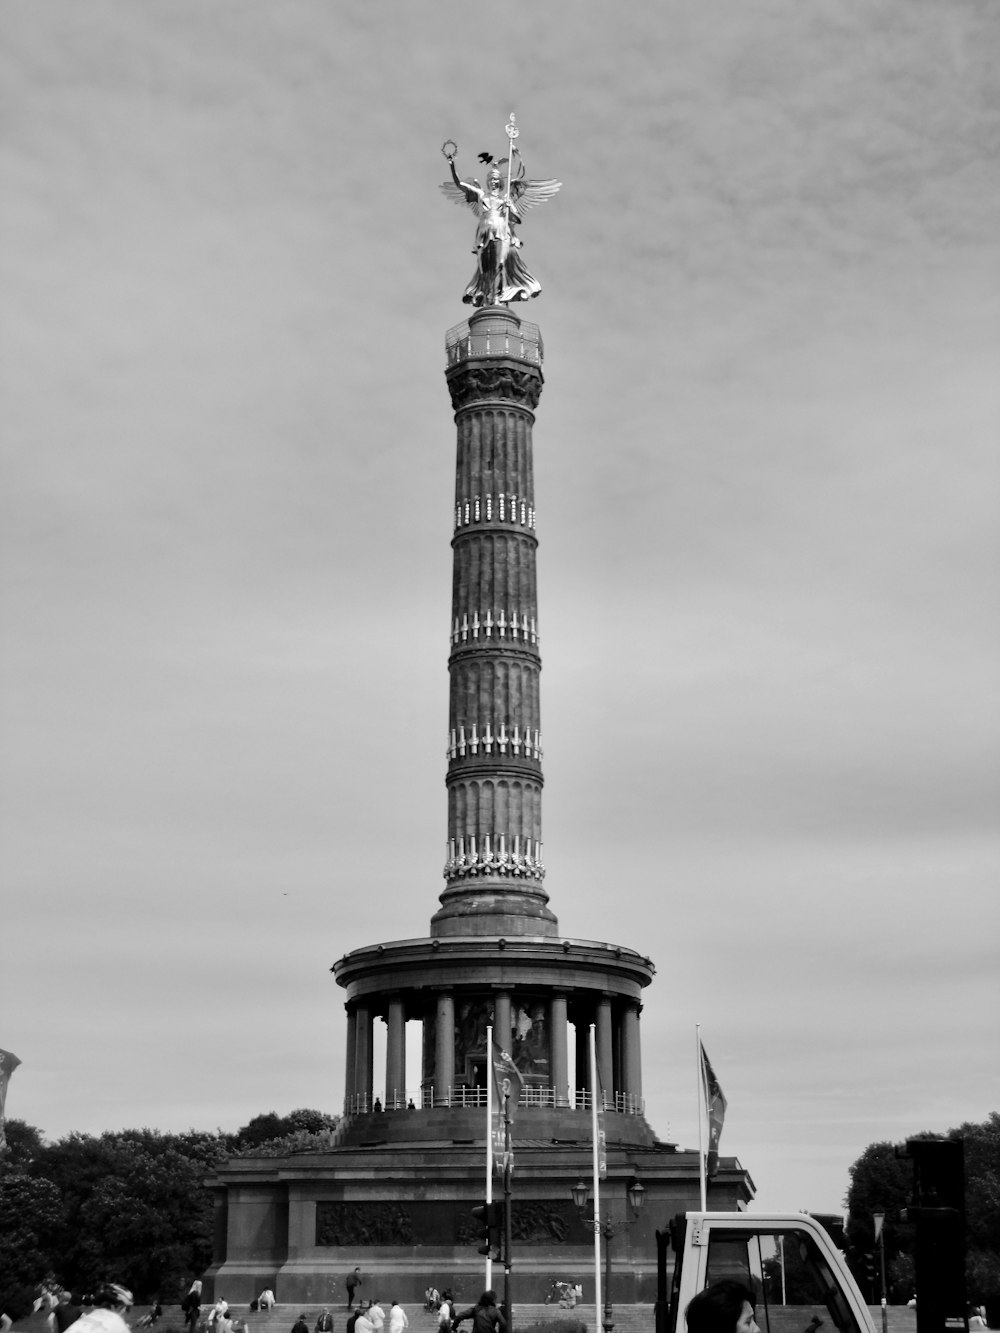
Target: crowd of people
728, 1306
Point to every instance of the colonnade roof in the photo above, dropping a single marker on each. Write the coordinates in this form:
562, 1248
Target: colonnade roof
495, 962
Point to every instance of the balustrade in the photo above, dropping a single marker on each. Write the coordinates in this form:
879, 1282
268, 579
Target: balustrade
462, 1097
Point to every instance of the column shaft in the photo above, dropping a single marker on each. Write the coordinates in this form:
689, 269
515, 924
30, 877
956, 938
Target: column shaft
557, 1045
605, 1051
501, 1019
350, 1083
364, 1060
444, 1048
395, 1055
631, 1059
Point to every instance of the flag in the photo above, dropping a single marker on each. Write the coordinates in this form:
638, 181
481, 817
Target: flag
602, 1138
507, 1085
8, 1063
715, 1106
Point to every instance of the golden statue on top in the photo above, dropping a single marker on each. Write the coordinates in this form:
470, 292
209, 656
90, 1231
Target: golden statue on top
500, 275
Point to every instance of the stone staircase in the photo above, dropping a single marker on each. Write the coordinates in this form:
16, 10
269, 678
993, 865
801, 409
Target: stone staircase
627, 1318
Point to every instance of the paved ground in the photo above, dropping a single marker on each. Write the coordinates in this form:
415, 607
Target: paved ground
627, 1318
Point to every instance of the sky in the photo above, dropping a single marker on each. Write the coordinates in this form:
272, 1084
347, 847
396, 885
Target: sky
767, 504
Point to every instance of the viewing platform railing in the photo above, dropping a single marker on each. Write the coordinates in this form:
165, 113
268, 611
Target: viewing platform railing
462, 344
466, 1098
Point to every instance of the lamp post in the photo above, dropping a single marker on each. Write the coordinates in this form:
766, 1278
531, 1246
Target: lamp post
879, 1220
605, 1227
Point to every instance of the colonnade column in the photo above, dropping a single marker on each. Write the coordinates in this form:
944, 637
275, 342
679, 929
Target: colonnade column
631, 1059
364, 1055
444, 1047
350, 1086
395, 1053
605, 1050
501, 1020
558, 1054
583, 1057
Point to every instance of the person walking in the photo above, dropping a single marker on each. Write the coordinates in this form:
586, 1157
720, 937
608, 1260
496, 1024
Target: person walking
397, 1318
485, 1315
111, 1303
352, 1282
446, 1311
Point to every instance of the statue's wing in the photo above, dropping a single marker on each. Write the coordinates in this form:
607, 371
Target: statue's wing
529, 194
458, 195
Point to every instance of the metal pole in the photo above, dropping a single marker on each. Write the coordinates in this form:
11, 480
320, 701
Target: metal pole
508, 1298
881, 1255
489, 1142
607, 1323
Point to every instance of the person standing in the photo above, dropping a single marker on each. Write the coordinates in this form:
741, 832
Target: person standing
191, 1305
376, 1314
300, 1325
66, 1312
446, 1311
397, 1318
324, 1324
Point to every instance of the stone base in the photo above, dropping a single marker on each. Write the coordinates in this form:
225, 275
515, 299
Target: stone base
403, 1213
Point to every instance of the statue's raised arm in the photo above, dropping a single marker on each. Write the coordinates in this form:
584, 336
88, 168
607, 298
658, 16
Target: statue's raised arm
500, 275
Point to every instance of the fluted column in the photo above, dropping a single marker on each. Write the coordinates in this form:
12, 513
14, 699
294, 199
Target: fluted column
605, 1049
395, 1051
444, 1046
631, 1060
493, 866
583, 1057
364, 1059
350, 1085
560, 1054
501, 1019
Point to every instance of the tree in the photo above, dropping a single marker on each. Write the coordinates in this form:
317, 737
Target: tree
134, 1207
880, 1181
270, 1126
982, 1211
24, 1143
30, 1214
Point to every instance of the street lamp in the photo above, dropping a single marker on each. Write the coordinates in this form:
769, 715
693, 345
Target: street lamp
879, 1220
636, 1193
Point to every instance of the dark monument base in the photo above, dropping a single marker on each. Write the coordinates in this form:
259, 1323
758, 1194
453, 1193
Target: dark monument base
402, 1211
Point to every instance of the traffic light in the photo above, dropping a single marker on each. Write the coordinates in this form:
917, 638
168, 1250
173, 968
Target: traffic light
938, 1214
490, 1228
938, 1172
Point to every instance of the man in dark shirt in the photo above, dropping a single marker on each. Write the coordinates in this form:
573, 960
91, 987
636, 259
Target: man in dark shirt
485, 1315
66, 1312
352, 1282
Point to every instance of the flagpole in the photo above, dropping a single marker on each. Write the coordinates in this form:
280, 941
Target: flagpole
702, 1112
489, 1142
597, 1174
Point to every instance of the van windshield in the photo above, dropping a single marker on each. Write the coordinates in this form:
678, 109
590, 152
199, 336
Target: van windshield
797, 1291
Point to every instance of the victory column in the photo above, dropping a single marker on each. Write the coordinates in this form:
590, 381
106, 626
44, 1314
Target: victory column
395, 1189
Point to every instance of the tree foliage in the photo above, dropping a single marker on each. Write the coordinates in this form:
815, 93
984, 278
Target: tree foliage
883, 1182
270, 1127
30, 1211
131, 1206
